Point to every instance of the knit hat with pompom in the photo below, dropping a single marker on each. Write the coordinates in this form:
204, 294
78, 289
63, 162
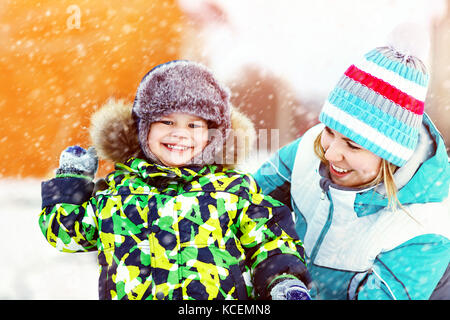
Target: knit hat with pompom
379, 101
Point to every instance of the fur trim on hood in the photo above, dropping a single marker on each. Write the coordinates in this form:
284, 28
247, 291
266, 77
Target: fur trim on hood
114, 134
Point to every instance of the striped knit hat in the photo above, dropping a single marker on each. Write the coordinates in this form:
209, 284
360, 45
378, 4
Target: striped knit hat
379, 102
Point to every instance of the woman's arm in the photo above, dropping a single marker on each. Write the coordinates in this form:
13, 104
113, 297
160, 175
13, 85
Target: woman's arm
274, 176
408, 272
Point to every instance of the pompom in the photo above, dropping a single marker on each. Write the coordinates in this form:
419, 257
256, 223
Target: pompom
410, 39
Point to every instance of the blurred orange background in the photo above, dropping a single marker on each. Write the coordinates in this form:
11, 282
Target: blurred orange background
60, 60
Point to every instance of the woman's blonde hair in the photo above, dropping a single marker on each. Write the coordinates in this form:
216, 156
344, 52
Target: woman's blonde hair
385, 175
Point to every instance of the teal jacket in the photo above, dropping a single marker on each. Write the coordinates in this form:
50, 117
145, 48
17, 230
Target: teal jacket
356, 248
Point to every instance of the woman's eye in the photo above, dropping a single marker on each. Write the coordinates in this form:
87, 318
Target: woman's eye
352, 146
328, 130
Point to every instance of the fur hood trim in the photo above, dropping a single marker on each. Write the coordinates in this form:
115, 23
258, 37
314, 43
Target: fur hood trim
114, 134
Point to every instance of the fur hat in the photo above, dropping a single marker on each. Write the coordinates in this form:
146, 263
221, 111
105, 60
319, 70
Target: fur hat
114, 134
187, 87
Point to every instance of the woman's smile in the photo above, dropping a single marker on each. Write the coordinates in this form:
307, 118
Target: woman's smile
339, 172
350, 165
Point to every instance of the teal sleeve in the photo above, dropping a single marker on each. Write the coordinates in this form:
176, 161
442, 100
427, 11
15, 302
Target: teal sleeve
410, 271
274, 176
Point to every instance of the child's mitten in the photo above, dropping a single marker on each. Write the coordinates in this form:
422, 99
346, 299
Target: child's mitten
290, 290
78, 161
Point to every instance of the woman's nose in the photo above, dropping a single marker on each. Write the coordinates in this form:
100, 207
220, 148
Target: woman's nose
334, 153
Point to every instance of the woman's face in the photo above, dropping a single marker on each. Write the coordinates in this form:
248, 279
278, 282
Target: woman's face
350, 165
177, 138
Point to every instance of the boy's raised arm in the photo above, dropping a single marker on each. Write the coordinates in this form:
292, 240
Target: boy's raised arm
68, 219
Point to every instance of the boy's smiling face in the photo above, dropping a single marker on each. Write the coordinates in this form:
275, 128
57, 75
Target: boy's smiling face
177, 138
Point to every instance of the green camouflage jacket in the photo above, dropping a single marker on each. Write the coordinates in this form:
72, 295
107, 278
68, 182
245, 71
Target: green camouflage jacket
174, 233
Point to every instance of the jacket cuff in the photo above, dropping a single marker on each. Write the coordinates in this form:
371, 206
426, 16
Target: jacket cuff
60, 172
278, 267
72, 190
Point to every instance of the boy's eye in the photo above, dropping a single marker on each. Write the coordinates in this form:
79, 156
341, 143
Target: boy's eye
166, 122
195, 125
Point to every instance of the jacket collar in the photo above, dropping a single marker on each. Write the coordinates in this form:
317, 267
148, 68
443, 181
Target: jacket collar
148, 170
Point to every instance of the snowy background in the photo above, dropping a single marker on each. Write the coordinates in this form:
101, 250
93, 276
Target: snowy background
30, 267
297, 47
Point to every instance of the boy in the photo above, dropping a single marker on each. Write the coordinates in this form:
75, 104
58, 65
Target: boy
172, 222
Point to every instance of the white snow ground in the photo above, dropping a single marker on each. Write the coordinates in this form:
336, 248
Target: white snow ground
29, 267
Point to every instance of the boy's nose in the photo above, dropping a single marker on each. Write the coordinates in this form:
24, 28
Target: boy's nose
179, 133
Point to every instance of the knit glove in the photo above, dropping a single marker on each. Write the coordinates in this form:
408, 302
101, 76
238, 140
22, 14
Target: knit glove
77, 161
290, 290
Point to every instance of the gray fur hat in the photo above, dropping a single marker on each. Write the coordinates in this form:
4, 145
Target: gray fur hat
188, 87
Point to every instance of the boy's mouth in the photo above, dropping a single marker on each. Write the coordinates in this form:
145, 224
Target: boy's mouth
176, 147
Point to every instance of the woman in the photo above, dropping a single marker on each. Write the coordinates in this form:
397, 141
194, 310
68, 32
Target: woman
369, 186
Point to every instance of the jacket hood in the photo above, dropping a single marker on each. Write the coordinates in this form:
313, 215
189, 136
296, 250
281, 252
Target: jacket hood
114, 134
431, 181
425, 177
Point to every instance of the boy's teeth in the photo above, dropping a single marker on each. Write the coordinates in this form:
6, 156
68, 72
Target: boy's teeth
339, 169
172, 146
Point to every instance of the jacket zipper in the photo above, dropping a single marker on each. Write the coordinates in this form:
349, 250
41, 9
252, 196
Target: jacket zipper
325, 228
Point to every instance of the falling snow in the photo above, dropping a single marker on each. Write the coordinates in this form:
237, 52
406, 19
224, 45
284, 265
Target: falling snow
280, 60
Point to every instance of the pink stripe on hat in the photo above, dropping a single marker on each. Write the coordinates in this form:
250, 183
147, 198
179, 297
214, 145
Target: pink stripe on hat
387, 90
